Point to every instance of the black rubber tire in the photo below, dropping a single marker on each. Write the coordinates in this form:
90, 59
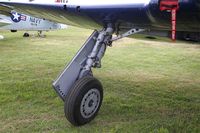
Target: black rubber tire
26, 35
74, 97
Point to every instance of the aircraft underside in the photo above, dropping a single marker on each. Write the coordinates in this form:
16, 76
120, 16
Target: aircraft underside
124, 17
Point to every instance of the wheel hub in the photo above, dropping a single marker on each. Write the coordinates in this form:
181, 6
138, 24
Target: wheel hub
90, 103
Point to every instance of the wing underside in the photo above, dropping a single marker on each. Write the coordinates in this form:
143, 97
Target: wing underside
52, 12
4, 22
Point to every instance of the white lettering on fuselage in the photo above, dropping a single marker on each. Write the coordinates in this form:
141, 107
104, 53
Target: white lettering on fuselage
35, 21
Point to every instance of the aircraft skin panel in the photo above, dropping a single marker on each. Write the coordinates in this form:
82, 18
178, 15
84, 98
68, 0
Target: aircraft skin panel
125, 14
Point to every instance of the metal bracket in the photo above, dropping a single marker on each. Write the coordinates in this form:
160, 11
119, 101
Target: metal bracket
128, 33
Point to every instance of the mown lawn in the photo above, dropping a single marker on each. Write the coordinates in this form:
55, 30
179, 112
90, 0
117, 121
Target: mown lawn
149, 86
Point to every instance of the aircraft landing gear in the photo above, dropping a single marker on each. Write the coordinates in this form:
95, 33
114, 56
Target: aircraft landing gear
40, 34
26, 34
80, 91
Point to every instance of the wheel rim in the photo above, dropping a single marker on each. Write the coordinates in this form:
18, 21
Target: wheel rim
90, 103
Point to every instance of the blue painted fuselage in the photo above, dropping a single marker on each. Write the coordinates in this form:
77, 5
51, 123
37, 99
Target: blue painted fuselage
122, 16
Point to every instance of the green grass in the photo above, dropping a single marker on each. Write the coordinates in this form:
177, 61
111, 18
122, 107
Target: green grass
149, 86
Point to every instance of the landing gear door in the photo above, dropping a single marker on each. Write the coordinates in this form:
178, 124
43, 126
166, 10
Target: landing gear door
71, 72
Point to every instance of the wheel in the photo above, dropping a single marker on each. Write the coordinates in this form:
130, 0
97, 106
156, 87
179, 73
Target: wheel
26, 35
83, 101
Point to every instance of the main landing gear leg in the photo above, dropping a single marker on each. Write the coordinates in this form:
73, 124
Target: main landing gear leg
80, 91
40, 34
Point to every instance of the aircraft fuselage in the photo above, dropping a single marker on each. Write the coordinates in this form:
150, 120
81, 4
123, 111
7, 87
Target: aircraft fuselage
124, 14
